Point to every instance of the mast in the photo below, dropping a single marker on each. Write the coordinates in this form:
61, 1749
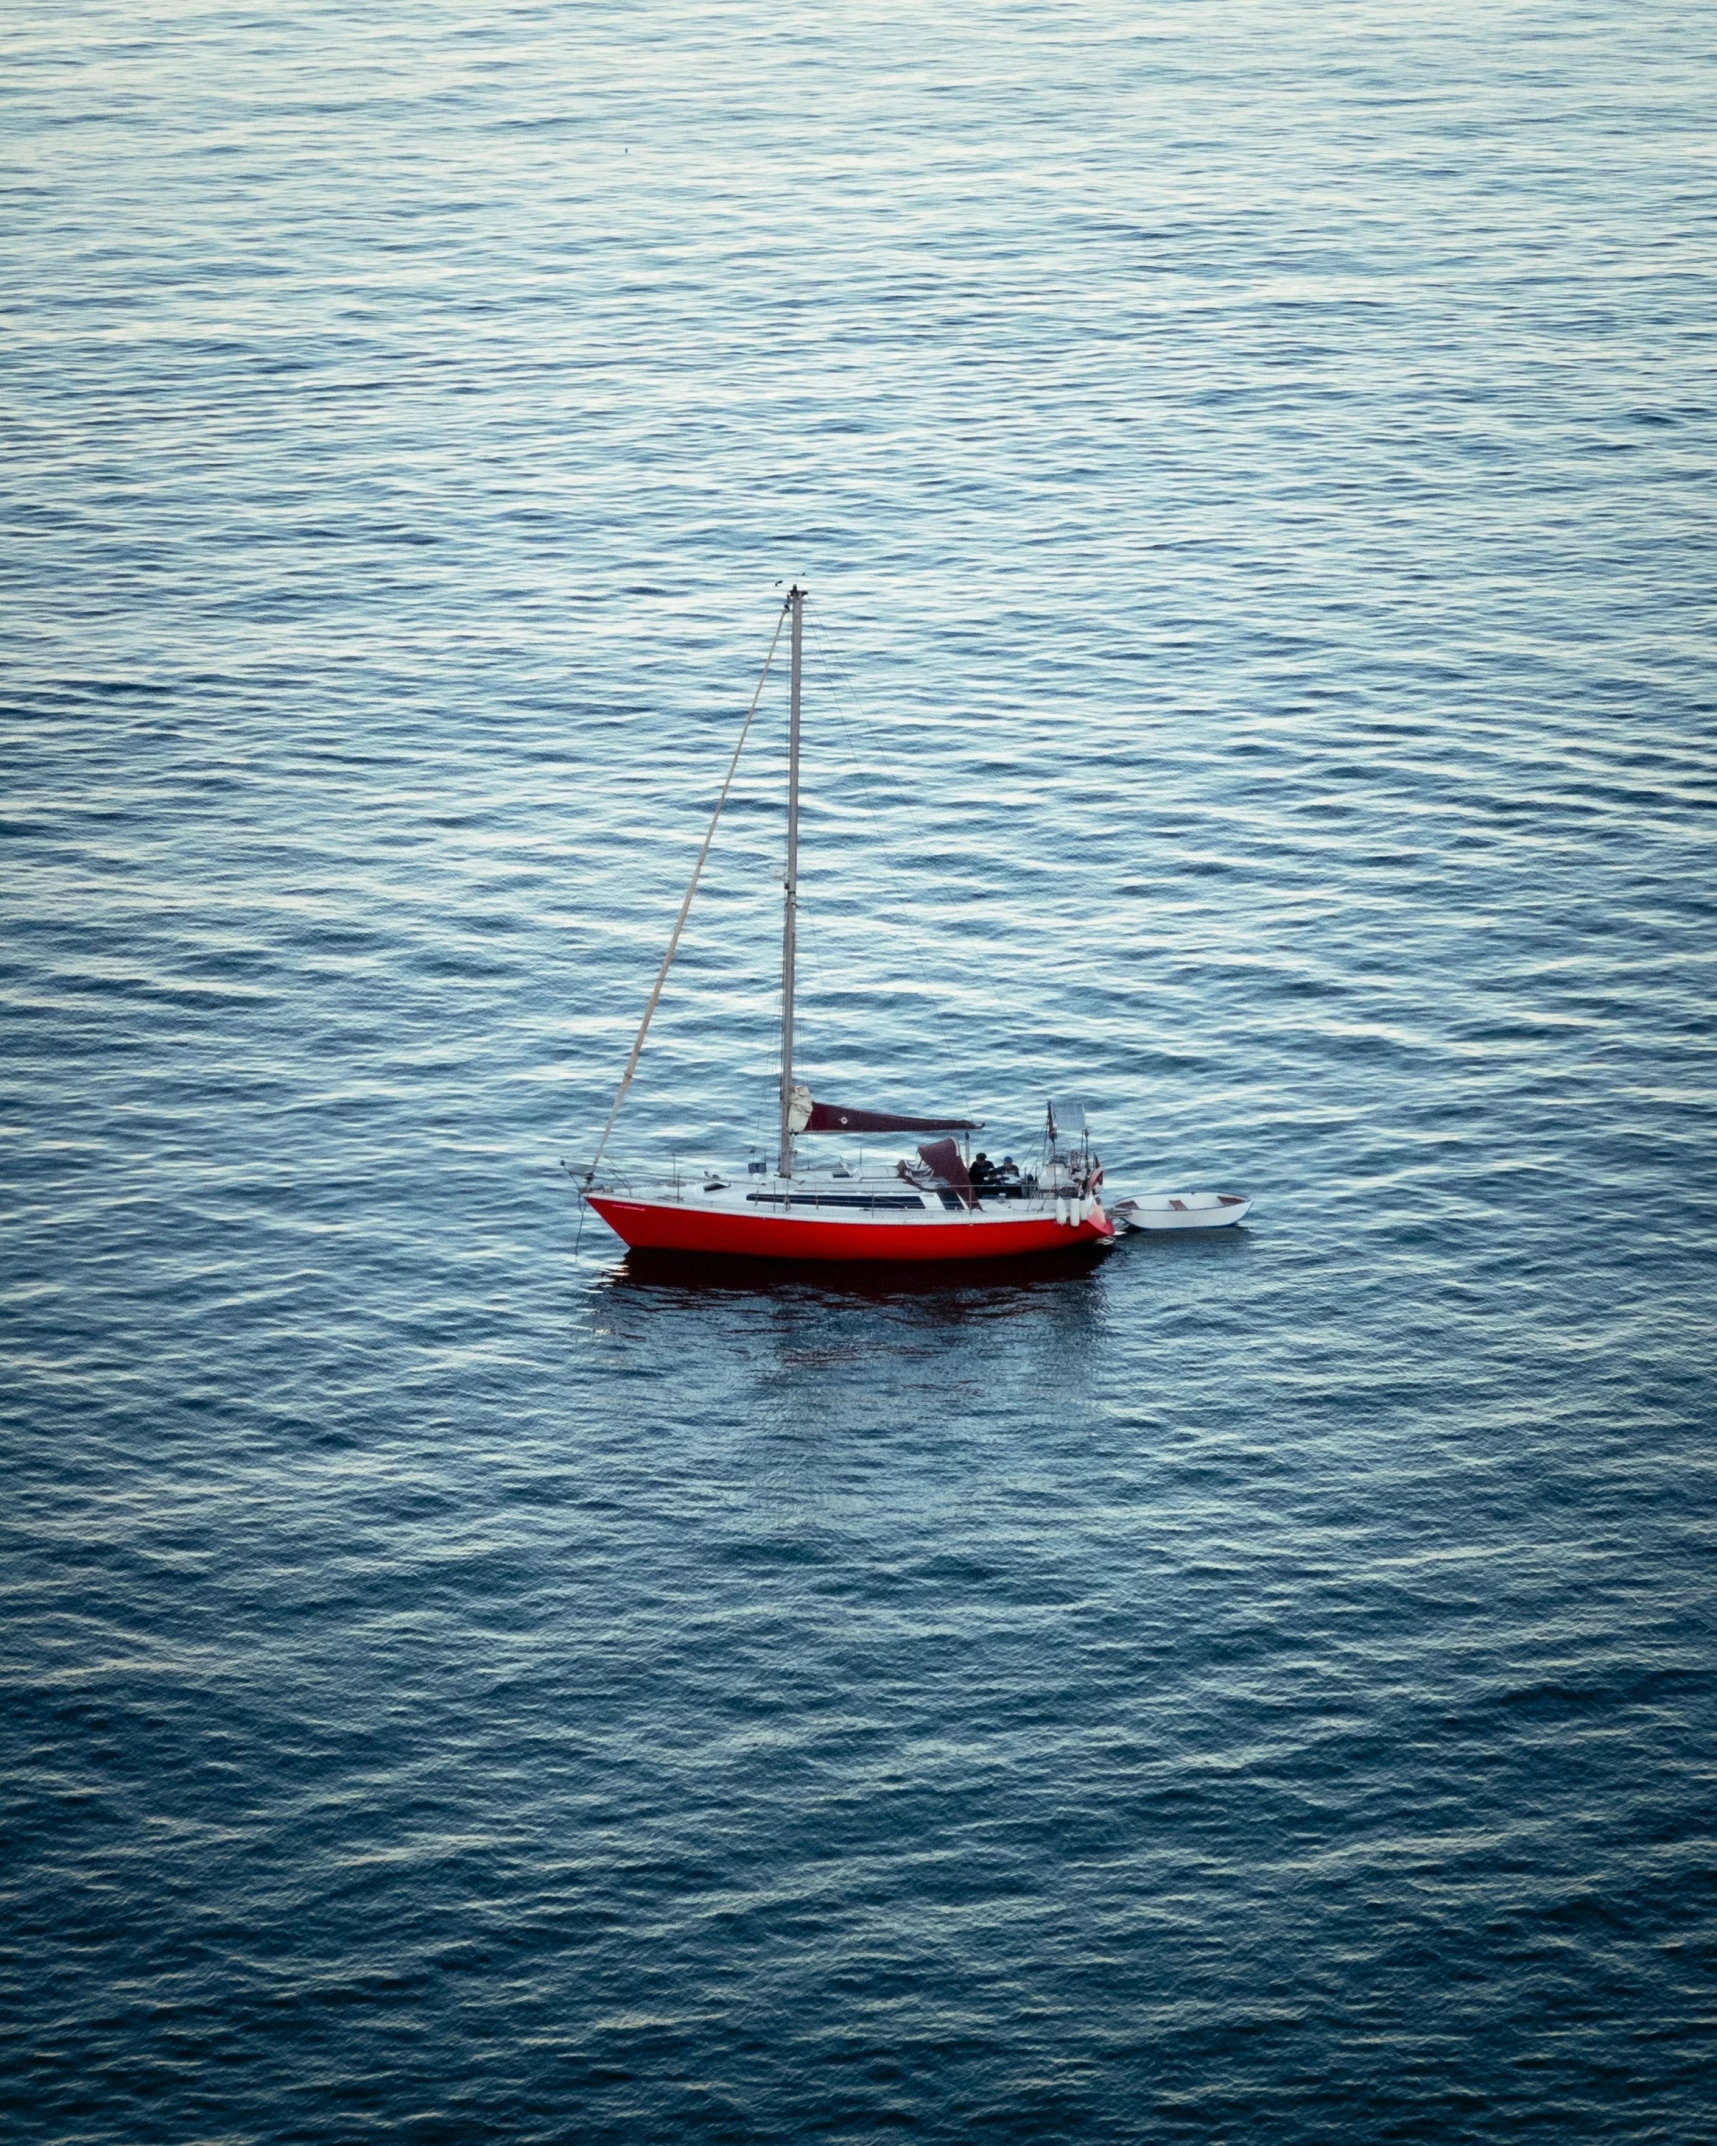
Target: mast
796, 609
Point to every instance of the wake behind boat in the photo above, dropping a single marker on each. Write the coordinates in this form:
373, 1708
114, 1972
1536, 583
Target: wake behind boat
939, 1204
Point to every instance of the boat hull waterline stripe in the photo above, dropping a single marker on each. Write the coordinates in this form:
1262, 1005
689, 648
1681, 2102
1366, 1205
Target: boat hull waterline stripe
665, 1226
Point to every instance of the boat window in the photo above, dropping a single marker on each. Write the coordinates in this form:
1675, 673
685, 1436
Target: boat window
832, 1199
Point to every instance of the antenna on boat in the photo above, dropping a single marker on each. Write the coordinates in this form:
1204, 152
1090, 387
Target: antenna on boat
796, 610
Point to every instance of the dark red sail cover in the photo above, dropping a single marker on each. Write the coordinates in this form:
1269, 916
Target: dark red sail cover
831, 1118
944, 1158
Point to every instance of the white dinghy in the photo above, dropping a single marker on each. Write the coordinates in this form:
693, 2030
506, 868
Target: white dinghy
1181, 1210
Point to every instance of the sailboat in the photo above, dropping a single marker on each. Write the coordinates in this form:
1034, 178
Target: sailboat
935, 1204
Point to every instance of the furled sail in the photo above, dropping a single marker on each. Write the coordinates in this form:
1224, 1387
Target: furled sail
833, 1118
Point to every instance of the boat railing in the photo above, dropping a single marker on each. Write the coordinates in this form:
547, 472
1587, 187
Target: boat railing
625, 1185
888, 1198
894, 1200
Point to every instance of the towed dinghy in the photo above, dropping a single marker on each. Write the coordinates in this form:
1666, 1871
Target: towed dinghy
1181, 1210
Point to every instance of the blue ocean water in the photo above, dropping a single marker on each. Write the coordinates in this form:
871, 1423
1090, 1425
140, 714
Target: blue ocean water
1252, 468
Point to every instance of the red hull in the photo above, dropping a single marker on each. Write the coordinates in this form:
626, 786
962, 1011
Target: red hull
664, 1226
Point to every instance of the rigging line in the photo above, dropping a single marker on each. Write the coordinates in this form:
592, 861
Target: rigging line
902, 900
685, 908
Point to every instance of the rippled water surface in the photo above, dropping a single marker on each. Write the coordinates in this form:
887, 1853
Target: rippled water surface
1252, 467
